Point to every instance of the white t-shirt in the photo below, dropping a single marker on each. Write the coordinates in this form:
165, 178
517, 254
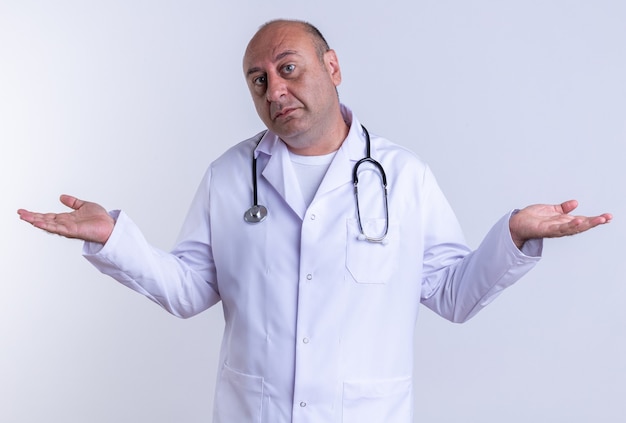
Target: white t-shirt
310, 171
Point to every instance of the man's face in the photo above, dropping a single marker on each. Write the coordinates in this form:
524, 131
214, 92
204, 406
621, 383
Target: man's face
294, 92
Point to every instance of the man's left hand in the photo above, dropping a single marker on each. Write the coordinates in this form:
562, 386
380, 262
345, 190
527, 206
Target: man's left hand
551, 221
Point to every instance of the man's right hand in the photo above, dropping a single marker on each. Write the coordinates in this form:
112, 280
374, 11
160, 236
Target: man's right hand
88, 221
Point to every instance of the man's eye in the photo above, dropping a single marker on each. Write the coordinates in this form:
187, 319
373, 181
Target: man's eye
259, 80
289, 68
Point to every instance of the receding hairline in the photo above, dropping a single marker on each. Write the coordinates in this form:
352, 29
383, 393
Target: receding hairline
321, 45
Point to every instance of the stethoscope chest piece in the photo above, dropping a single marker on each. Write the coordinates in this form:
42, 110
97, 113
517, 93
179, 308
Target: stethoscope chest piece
255, 214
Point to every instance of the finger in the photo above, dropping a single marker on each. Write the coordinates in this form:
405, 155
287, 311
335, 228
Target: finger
581, 224
53, 227
578, 225
41, 219
26, 215
38, 220
34, 218
607, 217
600, 220
569, 206
71, 202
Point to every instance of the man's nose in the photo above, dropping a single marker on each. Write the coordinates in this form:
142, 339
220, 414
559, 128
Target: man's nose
276, 88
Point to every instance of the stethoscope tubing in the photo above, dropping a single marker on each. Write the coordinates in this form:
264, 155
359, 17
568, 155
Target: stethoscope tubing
258, 213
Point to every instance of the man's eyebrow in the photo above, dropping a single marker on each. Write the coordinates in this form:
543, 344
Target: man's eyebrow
253, 70
284, 54
278, 57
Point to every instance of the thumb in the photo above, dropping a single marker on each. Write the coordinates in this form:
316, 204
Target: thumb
71, 202
569, 206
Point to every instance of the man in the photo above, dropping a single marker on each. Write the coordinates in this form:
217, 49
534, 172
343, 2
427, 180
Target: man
321, 306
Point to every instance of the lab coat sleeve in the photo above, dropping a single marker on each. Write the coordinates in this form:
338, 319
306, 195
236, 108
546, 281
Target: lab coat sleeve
458, 282
182, 282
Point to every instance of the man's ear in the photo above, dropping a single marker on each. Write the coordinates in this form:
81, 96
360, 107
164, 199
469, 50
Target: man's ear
332, 65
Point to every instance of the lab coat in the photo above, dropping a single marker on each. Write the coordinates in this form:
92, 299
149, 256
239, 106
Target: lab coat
319, 324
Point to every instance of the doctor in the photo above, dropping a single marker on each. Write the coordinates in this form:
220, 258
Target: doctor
321, 308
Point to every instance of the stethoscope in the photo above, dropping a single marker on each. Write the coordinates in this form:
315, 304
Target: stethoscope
258, 213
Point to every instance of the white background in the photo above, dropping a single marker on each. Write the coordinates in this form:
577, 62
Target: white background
126, 102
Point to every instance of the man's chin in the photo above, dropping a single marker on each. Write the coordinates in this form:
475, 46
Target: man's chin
287, 130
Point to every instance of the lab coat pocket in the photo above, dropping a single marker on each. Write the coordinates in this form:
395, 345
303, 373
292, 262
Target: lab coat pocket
239, 397
378, 401
372, 262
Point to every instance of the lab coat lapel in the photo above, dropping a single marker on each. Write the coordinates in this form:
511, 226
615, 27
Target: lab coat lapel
340, 170
338, 174
280, 174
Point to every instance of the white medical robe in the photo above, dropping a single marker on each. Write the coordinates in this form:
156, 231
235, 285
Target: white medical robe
319, 324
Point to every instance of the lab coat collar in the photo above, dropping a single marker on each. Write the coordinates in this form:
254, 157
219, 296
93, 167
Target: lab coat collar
352, 149
280, 173
354, 143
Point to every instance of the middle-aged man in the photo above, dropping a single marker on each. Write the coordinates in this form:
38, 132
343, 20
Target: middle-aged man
321, 296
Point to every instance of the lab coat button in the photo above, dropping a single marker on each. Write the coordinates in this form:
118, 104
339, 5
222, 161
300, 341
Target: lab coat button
312, 217
303, 404
305, 340
309, 276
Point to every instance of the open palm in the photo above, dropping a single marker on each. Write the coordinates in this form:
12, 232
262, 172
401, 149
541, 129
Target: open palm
89, 221
551, 221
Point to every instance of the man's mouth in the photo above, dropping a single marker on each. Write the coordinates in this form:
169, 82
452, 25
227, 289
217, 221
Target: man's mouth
283, 113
